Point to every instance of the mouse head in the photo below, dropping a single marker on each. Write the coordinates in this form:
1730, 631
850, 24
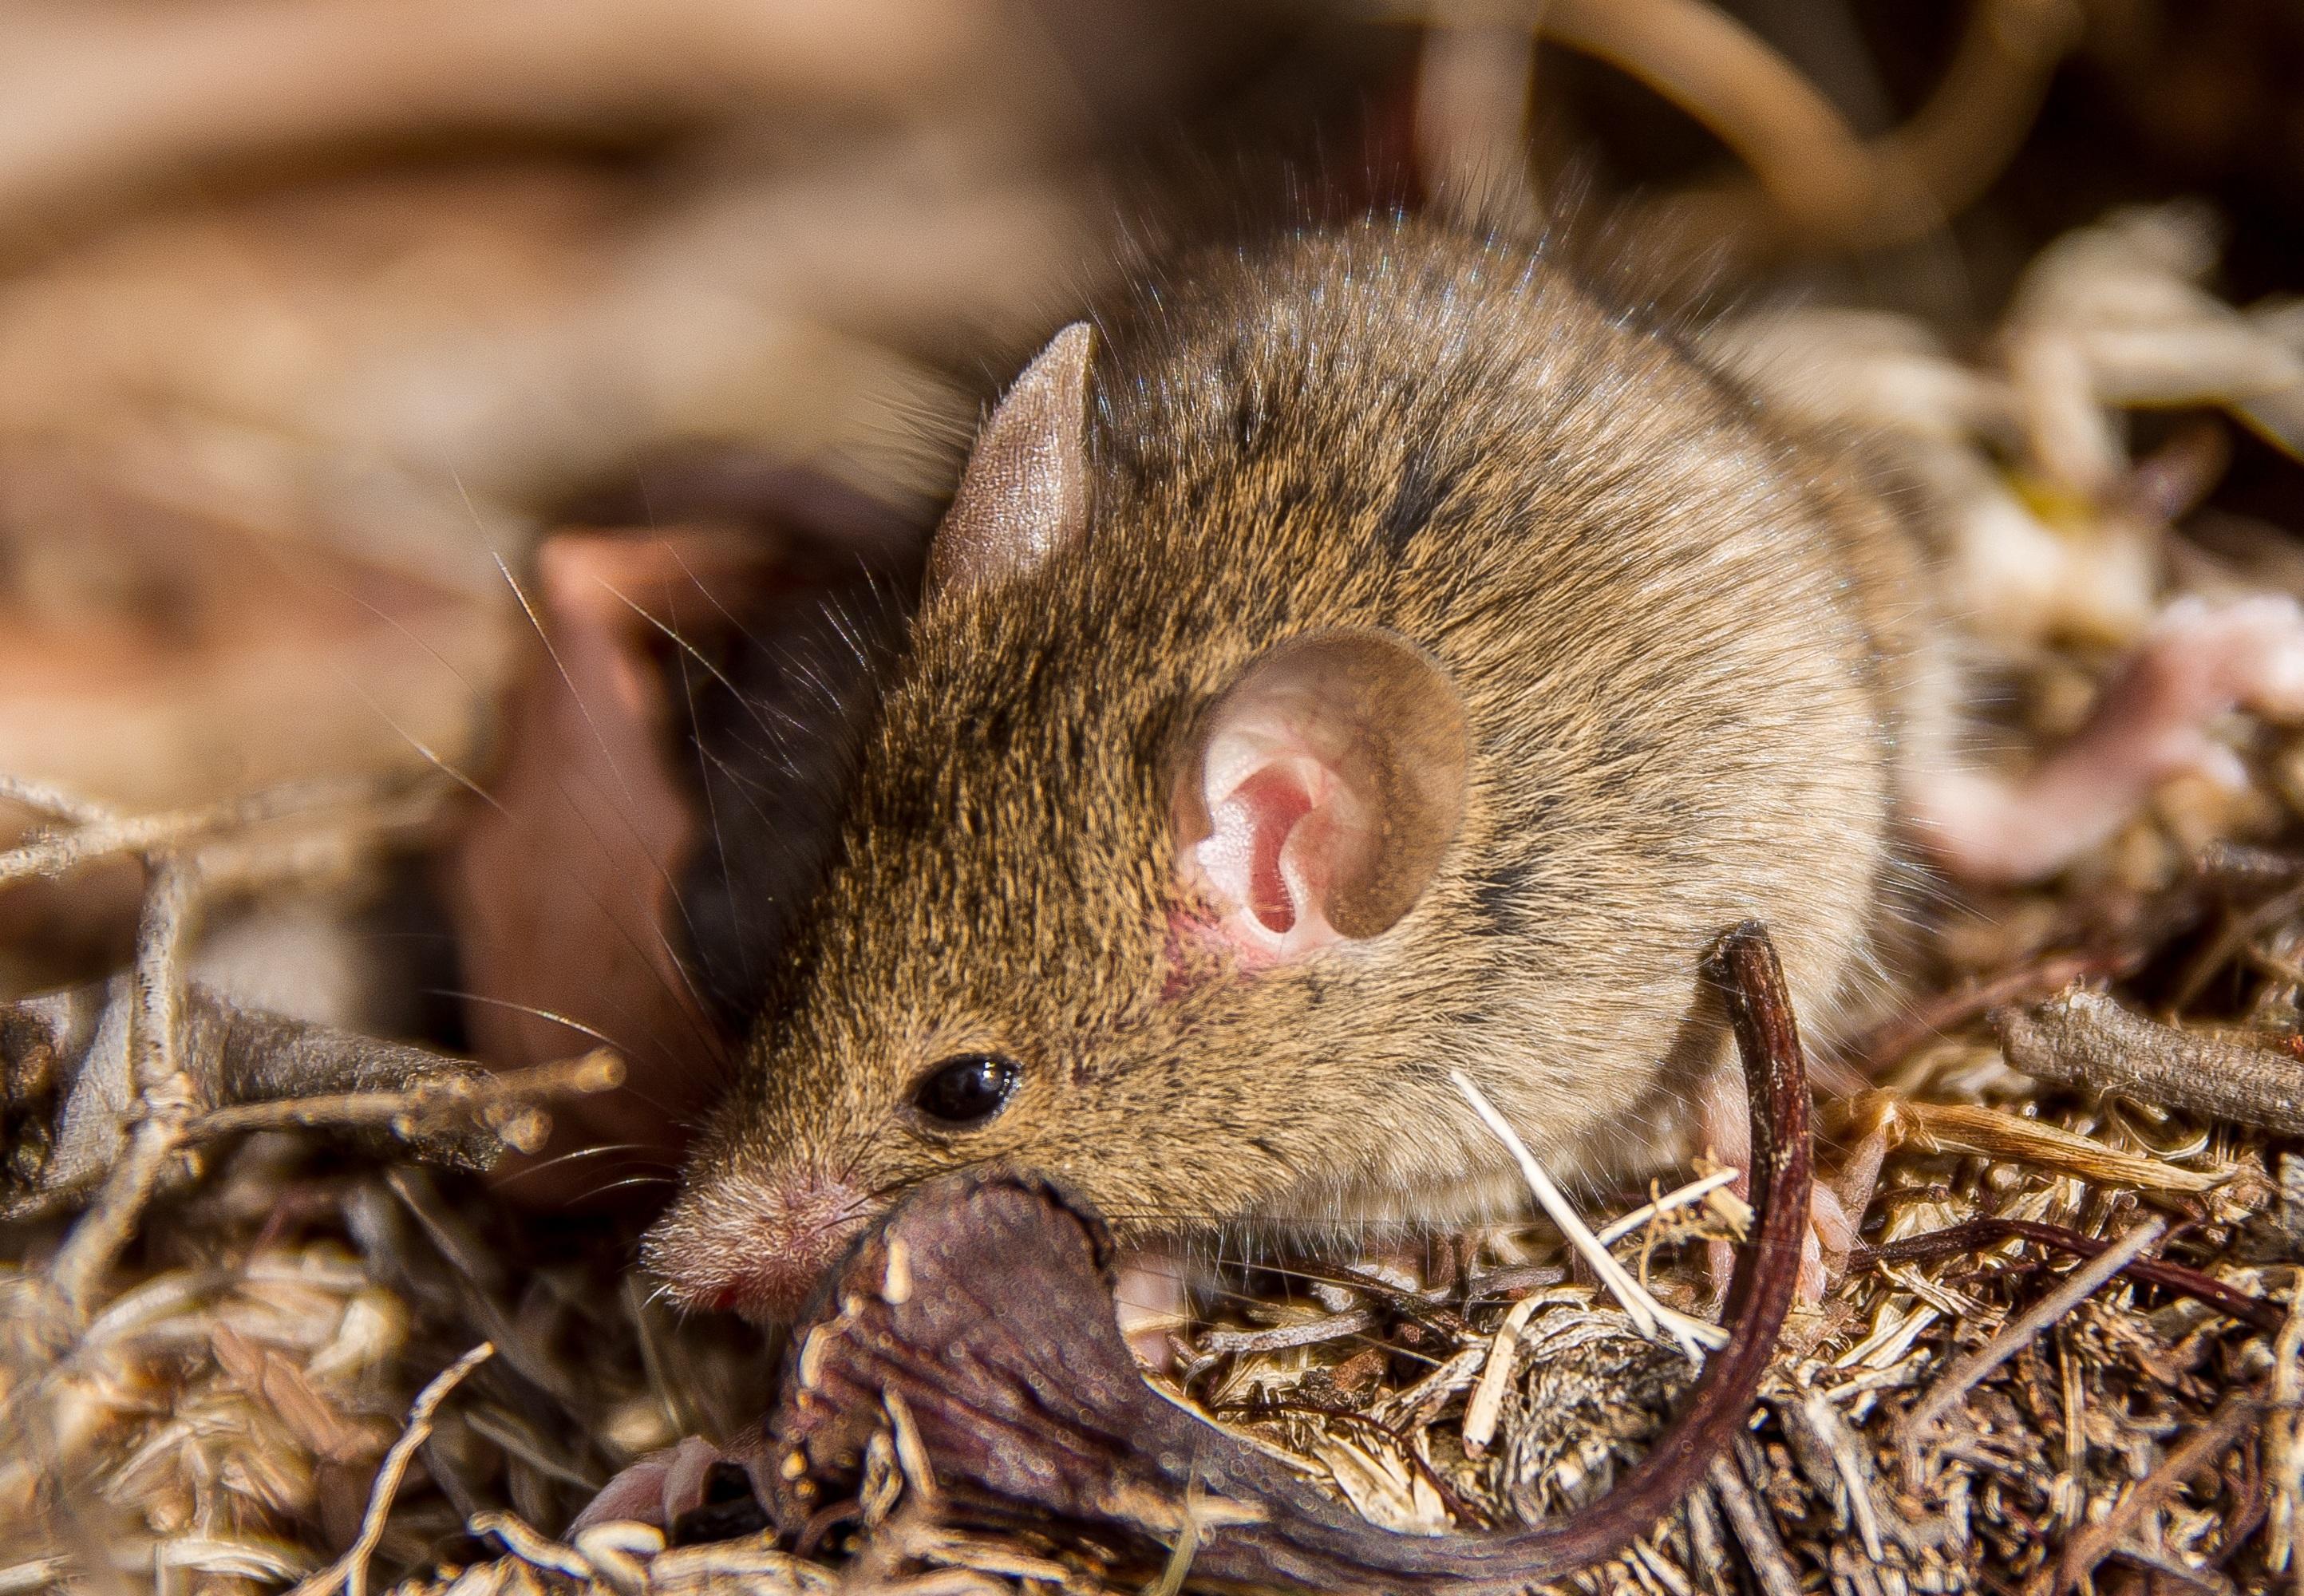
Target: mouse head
1130, 891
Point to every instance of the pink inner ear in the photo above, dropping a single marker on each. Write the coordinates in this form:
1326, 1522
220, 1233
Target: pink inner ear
1325, 792
1253, 828
1277, 815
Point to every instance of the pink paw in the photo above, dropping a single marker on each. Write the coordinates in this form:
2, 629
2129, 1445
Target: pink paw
1150, 1293
658, 1490
2200, 660
1825, 1246
1832, 1218
2209, 656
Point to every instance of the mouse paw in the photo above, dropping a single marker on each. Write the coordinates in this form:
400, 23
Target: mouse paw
1152, 1301
1835, 1207
1825, 1246
659, 1488
2202, 657
2200, 660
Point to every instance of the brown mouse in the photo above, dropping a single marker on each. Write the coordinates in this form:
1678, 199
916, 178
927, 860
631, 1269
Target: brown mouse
1368, 656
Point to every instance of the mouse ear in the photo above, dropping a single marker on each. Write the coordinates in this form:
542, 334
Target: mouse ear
1024, 494
1322, 791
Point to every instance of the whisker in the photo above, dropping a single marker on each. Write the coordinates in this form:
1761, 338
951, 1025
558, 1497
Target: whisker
736, 900
835, 617
431, 756
712, 598
688, 650
694, 1010
579, 1026
598, 1192
671, 1167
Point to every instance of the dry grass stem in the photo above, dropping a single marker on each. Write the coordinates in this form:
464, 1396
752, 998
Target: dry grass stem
96, 834
428, 278
349, 1573
1763, 1549
2283, 1456
1693, 1336
1486, 1405
1681, 1196
1968, 1127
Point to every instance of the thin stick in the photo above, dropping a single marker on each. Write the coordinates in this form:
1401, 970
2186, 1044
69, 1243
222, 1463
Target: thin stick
1971, 1235
1851, 1461
1770, 1562
101, 836
1332, 1326
1651, 1316
2284, 1459
54, 802
2018, 1333
165, 1099
349, 1571
424, 1101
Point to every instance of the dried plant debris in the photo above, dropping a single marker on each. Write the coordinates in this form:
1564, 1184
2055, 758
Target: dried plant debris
2031, 1376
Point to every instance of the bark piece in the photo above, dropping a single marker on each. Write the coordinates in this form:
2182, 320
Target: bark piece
2086, 1039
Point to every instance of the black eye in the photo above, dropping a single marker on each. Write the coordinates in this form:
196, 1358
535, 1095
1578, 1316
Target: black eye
967, 1090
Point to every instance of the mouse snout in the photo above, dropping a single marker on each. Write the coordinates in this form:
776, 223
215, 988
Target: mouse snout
756, 1247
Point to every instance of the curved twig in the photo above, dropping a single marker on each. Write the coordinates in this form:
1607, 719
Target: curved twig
1810, 172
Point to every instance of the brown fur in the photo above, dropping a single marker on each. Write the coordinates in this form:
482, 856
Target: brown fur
1685, 646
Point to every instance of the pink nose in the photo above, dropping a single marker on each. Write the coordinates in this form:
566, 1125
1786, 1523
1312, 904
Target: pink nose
757, 1248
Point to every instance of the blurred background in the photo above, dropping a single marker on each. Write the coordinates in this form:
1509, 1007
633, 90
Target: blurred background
317, 315
491, 404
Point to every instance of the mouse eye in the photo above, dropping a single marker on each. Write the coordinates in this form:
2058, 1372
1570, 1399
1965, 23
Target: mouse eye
967, 1090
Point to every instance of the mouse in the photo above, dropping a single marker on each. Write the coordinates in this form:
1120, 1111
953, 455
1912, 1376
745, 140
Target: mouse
1357, 658
1361, 657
